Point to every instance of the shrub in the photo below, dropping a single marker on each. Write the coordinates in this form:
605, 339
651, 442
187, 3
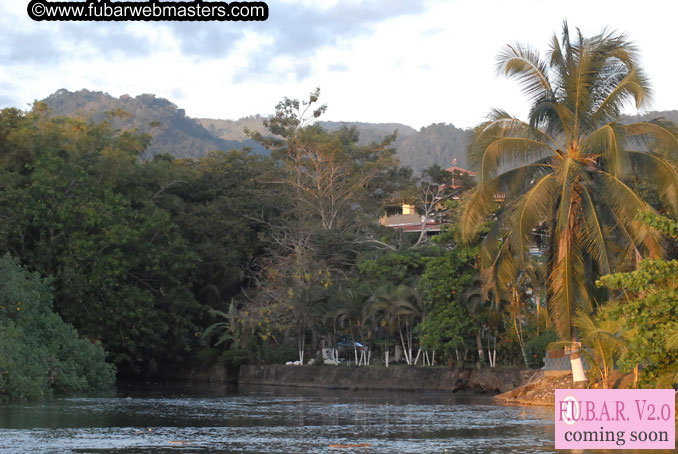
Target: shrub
39, 353
279, 354
535, 348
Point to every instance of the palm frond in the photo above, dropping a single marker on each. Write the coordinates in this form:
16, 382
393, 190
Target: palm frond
477, 206
672, 339
481, 201
657, 135
626, 204
663, 173
511, 151
594, 242
567, 176
524, 64
532, 209
617, 88
608, 142
567, 283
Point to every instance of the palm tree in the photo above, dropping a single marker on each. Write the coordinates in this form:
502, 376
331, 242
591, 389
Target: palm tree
567, 171
603, 338
354, 311
228, 330
396, 310
306, 305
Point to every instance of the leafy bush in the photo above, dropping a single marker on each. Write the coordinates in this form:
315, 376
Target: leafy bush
535, 349
39, 353
235, 357
279, 354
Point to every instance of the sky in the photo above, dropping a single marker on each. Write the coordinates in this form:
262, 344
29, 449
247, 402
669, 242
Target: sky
401, 61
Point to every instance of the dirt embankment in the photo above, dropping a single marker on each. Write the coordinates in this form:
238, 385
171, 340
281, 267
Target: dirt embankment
541, 389
394, 378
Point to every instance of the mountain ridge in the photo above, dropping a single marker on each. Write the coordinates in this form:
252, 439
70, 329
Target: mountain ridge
182, 136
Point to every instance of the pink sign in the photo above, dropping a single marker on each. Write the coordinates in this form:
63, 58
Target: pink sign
615, 419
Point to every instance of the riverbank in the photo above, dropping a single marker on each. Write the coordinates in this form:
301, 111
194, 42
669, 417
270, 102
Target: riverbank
540, 390
488, 381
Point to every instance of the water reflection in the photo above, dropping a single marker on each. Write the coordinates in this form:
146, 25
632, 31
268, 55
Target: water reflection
154, 419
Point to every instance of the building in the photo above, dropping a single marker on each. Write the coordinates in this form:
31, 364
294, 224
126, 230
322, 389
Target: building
409, 221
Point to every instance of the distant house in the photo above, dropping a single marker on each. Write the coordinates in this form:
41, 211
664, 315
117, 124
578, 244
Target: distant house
458, 172
409, 221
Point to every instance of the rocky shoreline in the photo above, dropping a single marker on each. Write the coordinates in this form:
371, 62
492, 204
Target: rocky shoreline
541, 390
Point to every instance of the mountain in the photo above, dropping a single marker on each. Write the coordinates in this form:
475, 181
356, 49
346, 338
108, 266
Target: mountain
435, 144
438, 143
233, 129
668, 115
182, 136
173, 132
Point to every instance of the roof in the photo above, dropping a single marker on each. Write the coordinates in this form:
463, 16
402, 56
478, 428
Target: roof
409, 223
460, 170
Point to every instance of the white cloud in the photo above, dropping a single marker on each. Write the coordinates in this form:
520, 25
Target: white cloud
383, 61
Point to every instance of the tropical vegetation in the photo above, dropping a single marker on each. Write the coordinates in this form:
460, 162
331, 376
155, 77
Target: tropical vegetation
571, 172
114, 263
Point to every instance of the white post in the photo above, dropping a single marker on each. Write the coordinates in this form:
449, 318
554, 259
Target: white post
578, 374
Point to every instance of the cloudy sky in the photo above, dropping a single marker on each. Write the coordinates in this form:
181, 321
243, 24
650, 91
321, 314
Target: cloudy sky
406, 61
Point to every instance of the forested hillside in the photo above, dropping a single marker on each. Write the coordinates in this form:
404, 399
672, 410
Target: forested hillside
172, 131
181, 136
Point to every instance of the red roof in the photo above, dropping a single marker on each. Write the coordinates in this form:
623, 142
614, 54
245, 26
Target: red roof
460, 170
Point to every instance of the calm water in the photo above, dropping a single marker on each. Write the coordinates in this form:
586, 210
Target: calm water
153, 419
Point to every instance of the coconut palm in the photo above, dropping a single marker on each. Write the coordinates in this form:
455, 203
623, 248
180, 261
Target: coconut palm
604, 341
568, 170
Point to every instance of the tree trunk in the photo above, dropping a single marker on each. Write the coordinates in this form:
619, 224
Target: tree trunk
402, 342
519, 335
479, 343
355, 349
494, 350
302, 333
538, 307
578, 374
417, 357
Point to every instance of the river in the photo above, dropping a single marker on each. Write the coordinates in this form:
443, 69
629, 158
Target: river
154, 419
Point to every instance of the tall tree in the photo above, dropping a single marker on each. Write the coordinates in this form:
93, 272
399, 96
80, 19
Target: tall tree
567, 169
121, 269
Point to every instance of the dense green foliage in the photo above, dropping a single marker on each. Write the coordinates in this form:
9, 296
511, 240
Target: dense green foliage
133, 247
236, 258
39, 353
646, 311
452, 316
535, 348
